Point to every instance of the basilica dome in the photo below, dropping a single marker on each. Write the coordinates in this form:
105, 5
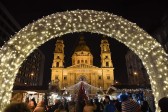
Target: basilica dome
82, 46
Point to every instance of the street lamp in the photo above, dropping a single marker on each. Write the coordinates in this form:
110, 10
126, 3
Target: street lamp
135, 73
117, 82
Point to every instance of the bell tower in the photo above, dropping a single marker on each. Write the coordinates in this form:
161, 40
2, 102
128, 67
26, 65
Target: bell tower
106, 61
58, 61
106, 64
57, 65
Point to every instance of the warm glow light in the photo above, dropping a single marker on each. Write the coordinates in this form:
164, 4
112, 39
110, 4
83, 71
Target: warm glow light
15, 51
32, 74
135, 73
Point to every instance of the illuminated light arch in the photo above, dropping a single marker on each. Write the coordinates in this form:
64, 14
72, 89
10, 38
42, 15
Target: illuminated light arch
15, 51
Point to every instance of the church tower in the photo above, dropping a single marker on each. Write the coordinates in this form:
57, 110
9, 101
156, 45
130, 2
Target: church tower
106, 62
59, 54
58, 63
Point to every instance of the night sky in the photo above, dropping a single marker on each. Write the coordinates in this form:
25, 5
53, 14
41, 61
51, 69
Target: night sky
145, 13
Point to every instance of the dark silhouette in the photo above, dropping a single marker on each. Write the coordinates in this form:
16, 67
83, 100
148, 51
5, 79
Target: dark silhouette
117, 105
65, 104
145, 107
109, 106
55, 106
98, 105
17, 107
163, 104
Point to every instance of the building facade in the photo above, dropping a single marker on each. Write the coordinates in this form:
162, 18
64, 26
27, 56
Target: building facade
137, 74
29, 79
82, 68
31, 70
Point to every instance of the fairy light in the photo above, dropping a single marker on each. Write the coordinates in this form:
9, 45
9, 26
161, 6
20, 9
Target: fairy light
33, 35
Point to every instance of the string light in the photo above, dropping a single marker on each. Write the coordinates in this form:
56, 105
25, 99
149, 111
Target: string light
15, 51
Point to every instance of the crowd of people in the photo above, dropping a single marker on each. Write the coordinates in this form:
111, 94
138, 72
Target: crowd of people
126, 104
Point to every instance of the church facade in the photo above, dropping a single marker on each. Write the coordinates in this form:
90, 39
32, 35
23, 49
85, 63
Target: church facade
82, 66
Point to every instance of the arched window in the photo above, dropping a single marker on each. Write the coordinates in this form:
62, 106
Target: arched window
57, 64
65, 77
107, 64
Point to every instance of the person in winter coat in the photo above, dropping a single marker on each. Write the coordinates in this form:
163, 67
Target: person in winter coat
129, 105
109, 105
145, 107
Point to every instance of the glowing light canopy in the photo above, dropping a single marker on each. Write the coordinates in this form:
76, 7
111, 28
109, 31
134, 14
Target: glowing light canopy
15, 51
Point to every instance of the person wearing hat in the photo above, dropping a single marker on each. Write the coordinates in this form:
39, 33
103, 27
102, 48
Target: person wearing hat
129, 105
